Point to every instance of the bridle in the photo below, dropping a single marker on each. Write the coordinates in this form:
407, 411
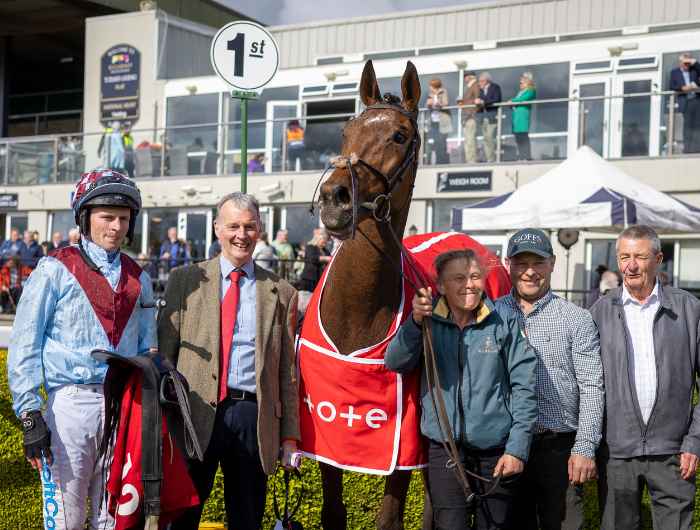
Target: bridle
380, 207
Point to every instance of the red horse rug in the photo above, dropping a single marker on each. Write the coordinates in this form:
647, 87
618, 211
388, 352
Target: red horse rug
356, 414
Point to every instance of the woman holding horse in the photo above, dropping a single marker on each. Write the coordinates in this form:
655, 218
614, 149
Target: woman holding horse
484, 371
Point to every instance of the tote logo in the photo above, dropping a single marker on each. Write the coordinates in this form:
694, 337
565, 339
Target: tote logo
129, 507
328, 412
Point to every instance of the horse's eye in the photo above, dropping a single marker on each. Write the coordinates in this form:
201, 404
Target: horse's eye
399, 138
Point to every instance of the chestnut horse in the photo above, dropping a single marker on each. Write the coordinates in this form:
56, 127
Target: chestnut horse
364, 289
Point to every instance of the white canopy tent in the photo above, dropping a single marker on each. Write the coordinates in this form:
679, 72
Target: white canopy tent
583, 192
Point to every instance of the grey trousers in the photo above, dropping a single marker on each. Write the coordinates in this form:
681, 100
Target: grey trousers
621, 485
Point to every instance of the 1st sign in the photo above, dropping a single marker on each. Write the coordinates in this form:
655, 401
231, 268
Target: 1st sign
244, 55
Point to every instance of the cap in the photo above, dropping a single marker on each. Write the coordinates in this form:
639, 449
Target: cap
530, 240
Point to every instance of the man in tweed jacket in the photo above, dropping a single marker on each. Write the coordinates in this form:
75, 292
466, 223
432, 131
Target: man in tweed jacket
242, 420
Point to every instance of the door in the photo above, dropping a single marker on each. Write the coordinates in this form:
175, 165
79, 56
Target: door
195, 227
589, 114
635, 118
279, 113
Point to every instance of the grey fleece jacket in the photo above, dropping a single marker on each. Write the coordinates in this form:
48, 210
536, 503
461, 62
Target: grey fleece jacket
674, 424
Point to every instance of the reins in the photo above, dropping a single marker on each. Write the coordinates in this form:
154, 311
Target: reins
380, 207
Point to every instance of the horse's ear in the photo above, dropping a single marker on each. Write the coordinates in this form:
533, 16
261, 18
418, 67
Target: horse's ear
410, 88
369, 89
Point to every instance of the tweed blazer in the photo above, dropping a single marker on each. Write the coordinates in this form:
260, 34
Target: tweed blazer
189, 334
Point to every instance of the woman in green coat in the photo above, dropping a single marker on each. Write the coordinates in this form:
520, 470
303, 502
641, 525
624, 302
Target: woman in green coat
521, 115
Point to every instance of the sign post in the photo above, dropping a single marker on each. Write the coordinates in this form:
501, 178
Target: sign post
245, 56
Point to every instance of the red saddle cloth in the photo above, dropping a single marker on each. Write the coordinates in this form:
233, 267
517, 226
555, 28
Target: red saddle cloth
356, 414
124, 486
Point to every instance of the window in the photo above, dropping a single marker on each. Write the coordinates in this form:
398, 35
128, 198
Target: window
188, 113
300, 224
689, 270
442, 212
61, 221
159, 220
550, 120
257, 110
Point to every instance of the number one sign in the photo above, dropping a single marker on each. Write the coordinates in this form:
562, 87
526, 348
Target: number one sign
245, 56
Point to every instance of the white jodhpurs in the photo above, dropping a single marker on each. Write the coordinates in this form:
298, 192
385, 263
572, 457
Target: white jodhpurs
74, 483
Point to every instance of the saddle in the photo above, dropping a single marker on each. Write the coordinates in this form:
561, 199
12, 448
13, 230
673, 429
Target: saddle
163, 392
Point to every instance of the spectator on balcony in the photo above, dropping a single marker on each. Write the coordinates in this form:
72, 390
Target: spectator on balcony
128, 142
12, 246
686, 80
316, 257
264, 253
489, 96
471, 94
31, 251
257, 163
57, 241
440, 120
521, 115
285, 253
111, 147
173, 251
295, 145
12, 277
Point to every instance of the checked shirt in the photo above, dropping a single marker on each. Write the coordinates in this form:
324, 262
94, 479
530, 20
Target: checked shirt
570, 395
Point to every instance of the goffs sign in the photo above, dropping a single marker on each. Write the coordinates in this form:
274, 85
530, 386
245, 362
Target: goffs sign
245, 55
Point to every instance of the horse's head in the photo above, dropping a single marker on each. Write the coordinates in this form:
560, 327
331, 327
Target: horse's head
378, 157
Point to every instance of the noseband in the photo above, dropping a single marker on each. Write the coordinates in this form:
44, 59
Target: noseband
380, 206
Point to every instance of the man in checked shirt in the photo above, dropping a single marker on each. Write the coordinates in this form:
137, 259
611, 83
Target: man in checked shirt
569, 388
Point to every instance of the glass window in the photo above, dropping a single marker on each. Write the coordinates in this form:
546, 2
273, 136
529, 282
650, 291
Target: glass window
61, 221
184, 111
18, 221
669, 61
300, 224
133, 247
551, 81
442, 212
257, 110
603, 257
159, 220
689, 273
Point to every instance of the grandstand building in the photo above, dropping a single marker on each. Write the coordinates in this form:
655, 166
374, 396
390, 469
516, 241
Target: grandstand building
601, 71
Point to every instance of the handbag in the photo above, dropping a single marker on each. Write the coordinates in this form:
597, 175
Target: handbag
284, 520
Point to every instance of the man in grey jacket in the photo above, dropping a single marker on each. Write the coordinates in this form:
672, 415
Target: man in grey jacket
649, 337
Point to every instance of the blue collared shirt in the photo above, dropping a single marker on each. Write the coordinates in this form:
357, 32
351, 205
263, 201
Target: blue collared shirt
56, 328
241, 372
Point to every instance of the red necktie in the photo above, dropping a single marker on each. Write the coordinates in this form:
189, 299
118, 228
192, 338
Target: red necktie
229, 308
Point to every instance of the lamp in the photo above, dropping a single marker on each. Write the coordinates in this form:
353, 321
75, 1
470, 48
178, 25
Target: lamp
461, 64
333, 75
616, 51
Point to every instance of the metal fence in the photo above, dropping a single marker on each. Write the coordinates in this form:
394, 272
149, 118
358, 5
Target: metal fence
647, 124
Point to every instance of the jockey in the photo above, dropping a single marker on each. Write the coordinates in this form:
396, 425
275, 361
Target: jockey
78, 299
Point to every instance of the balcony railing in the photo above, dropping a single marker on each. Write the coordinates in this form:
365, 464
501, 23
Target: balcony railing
639, 124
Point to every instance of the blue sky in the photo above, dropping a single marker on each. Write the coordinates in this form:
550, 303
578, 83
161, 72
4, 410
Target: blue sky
275, 12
